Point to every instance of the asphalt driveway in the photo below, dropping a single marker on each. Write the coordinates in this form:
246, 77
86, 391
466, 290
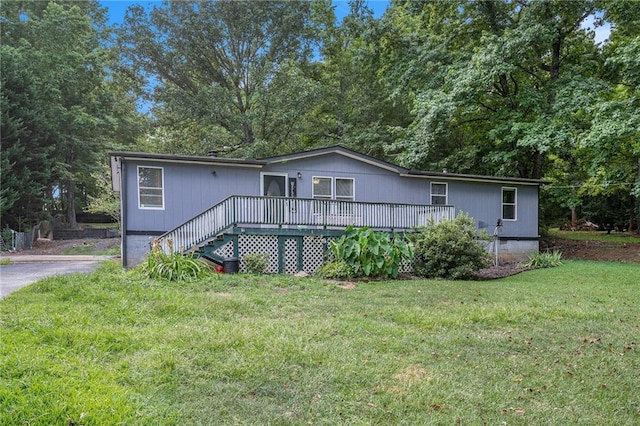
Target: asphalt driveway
27, 271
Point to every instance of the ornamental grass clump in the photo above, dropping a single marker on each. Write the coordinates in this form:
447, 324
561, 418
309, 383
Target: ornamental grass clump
172, 267
544, 259
452, 249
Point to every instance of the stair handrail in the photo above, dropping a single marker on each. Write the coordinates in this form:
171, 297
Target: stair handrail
199, 229
253, 210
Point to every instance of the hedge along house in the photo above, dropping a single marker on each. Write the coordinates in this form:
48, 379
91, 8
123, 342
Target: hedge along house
291, 205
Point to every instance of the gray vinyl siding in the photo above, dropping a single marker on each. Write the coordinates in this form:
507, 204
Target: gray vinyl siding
372, 184
483, 201
189, 189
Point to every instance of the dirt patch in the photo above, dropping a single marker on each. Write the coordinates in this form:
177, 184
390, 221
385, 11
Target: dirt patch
597, 250
58, 247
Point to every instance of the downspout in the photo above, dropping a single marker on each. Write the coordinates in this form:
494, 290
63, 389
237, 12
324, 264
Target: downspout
123, 213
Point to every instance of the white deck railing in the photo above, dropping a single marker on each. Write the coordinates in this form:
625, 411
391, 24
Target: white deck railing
282, 212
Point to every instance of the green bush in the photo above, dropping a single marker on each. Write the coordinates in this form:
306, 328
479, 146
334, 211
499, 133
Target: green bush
451, 249
256, 263
172, 267
544, 260
370, 254
336, 269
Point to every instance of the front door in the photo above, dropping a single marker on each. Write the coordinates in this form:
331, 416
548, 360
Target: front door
274, 186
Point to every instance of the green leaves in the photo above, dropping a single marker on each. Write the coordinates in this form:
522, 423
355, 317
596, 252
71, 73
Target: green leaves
367, 253
450, 249
172, 267
62, 104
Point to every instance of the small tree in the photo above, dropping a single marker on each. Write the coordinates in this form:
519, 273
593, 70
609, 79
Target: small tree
451, 249
106, 201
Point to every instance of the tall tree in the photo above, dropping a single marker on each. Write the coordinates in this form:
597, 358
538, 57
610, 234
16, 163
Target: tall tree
497, 79
215, 62
355, 109
66, 104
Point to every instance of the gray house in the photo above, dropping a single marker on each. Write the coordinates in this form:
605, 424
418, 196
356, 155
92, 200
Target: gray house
291, 205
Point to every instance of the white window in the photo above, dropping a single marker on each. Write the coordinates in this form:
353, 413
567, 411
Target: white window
322, 187
333, 188
509, 203
151, 187
438, 193
344, 189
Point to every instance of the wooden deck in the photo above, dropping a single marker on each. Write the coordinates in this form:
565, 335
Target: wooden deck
299, 214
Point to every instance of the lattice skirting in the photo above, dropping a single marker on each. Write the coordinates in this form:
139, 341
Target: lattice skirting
287, 254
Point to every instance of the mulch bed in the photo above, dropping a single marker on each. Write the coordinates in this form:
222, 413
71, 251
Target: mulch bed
500, 271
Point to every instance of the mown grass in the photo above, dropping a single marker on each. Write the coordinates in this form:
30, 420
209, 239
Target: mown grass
552, 346
615, 237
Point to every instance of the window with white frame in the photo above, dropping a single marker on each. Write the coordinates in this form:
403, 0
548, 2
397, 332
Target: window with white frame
150, 187
322, 187
345, 189
509, 203
333, 188
438, 193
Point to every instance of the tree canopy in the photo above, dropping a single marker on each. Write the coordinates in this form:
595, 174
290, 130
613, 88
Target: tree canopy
63, 106
509, 88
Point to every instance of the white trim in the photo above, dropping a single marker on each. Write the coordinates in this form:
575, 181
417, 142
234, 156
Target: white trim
286, 181
335, 188
514, 204
322, 197
446, 192
140, 206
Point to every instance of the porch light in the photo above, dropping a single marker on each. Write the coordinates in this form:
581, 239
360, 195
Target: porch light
299, 175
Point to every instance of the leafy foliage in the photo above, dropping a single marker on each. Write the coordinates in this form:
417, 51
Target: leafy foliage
450, 249
544, 259
172, 267
220, 65
64, 105
335, 269
256, 263
370, 254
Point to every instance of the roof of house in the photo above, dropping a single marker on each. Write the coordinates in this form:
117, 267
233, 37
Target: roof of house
259, 163
192, 159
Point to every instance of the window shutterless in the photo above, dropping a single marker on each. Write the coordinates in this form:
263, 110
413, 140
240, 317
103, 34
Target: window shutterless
150, 187
509, 203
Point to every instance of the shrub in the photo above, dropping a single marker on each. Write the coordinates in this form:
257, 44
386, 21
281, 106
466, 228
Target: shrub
172, 267
7, 238
370, 254
256, 263
336, 269
544, 260
451, 249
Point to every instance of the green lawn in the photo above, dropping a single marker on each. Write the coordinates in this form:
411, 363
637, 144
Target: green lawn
552, 346
614, 237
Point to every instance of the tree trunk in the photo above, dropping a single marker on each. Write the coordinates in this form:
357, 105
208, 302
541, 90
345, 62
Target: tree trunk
71, 205
637, 197
71, 192
574, 217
